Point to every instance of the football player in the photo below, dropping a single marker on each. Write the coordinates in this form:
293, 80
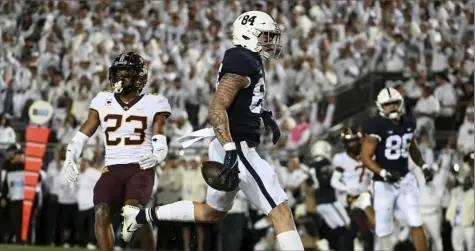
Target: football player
132, 125
389, 139
349, 175
236, 113
330, 209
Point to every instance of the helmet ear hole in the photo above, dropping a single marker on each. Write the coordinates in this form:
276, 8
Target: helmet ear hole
246, 37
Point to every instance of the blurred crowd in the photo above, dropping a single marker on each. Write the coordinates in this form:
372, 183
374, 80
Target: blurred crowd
60, 51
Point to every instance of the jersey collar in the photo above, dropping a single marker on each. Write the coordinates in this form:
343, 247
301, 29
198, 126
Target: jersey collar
127, 106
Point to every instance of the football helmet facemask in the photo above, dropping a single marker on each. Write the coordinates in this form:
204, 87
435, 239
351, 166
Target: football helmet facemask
389, 96
128, 72
258, 32
351, 139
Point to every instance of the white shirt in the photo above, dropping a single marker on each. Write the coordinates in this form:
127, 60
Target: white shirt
294, 179
86, 182
465, 137
67, 192
448, 99
7, 137
427, 105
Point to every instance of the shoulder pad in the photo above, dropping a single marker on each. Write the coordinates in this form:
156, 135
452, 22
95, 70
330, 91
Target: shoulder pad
240, 61
159, 103
372, 125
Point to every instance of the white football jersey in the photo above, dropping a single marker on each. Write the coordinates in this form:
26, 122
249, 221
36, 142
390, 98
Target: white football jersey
127, 127
351, 177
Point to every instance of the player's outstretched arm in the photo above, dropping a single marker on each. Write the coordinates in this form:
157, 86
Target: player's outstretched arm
417, 157
76, 144
228, 88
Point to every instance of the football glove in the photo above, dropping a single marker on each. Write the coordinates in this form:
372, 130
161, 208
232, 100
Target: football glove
428, 175
70, 170
159, 153
230, 171
390, 177
270, 124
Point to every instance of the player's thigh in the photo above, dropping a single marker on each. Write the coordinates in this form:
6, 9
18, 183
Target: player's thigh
333, 215
109, 190
408, 201
259, 181
139, 186
383, 203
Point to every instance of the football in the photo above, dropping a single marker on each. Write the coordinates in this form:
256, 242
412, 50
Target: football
210, 171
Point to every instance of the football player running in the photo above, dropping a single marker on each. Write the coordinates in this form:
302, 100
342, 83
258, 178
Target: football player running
389, 138
350, 176
236, 113
132, 125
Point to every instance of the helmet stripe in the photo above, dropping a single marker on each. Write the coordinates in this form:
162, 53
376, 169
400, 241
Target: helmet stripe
389, 93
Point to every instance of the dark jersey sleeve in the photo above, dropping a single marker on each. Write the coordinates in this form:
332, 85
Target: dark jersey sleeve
239, 61
370, 128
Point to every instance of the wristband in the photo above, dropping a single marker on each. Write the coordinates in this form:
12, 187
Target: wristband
229, 146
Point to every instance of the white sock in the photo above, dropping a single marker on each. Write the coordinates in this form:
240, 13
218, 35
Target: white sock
290, 241
178, 211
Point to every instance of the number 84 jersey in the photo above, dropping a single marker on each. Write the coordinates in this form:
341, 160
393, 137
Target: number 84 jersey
127, 127
394, 141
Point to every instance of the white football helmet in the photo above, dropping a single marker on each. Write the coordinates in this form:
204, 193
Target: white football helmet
390, 95
321, 149
258, 32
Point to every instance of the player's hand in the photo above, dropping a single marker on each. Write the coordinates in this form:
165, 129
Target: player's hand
428, 175
148, 160
230, 171
390, 177
269, 123
70, 170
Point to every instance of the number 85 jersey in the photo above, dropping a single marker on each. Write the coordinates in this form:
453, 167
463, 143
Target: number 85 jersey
394, 141
127, 127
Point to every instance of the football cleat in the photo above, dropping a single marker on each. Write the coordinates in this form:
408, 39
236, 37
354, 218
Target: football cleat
129, 225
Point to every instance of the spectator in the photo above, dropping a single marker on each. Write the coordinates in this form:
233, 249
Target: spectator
7, 134
460, 214
445, 93
193, 189
66, 132
12, 193
466, 132
68, 207
234, 224
86, 181
426, 110
169, 190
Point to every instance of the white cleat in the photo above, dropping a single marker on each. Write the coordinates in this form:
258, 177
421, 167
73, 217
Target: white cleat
130, 224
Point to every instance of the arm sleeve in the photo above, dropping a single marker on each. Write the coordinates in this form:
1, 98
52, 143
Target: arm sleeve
370, 129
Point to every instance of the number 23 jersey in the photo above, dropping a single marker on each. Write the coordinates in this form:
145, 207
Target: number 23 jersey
127, 127
394, 141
